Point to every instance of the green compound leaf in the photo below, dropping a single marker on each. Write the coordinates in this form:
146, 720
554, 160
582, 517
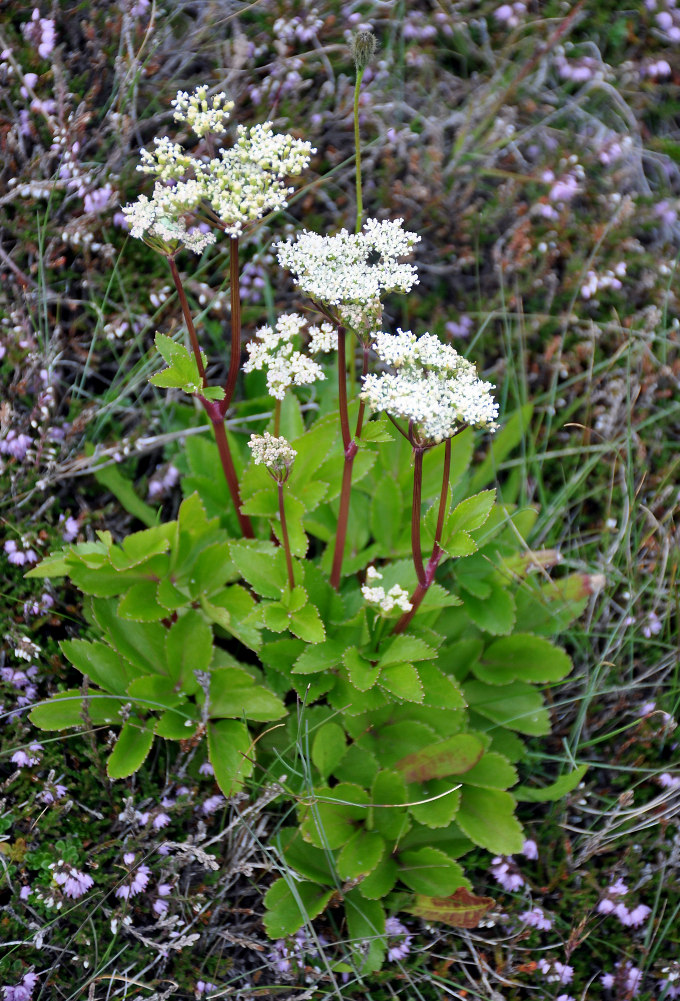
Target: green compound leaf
188, 648
494, 613
233, 692
262, 565
310, 862
155, 692
472, 512
381, 881
517, 706
387, 815
438, 689
307, 625
430, 871
100, 664
360, 855
452, 756
66, 709
330, 819
523, 657
437, 812
403, 681
386, 513
487, 816
555, 791
231, 751
366, 927
459, 544
328, 748
404, 649
290, 904
182, 371
131, 749
141, 603
320, 657
493, 771
362, 674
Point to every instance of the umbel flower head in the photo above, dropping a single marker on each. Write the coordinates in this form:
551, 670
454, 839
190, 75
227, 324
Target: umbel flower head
340, 271
274, 453
273, 350
433, 387
239, 186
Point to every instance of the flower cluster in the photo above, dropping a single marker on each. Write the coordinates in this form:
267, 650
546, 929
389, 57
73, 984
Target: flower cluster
22, 991
202, 115
137, 879
240, 185
339, 270
274, 453
434, 388
629, 918
396, 597
73, 883
400, 949
273, 350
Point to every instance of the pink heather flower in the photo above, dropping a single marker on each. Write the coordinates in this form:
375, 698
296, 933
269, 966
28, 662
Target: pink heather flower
70, 529
159, 821
22, 758
164, 889
25, 892
203, 987
607, 981
160, 906
206, 769
138, 879
16, 445
637, 916
501, 872
399, 950
73, 883
564, 997
96, 201
671, 991
617, 889
653, 626
51, 793
530, 849
129, 858
212, 804
606, 906
536, 919
668, 781
556, 972
646, 708
22, 991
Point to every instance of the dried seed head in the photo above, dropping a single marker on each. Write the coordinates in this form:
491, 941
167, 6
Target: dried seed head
363, 45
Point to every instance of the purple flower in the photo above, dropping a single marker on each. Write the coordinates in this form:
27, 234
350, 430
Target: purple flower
70, 529
203, 987
40, 32
530, 849
73, 883
51, 793
653, 626
137, 880
96, 201
159, 821
16, 445
212, 804
503, 874
22, 991
536, 919
668, 781
556, 972
22, 758
637, 916
206, 769
25, 892
398, 950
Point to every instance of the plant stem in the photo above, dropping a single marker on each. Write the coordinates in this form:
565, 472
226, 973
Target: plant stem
362, 404
415, 513
357, 148
213, 410
230, 471
187, 318
437, 552
277, 418
285, 539
235, 359
350, 447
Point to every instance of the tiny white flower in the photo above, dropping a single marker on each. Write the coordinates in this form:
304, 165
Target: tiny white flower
274, 453
273, 350
203, 115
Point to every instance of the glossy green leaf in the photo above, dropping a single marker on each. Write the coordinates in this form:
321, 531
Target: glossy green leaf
233, 692
365, 930
555, 791
328, 748
155, 692
66, 709
100, 663
438, 812
141, 603
231, 753
131, 749
188, 648
330, 819
381, 880
362, 674
518, 706
262, 564
438, 689
320, 657
307, 625
494, 614
403, 681
388, 816
487, 816
492, 771
430, 871
405, 649
360, 855
522, 657
472, 512
453, 756
290, 903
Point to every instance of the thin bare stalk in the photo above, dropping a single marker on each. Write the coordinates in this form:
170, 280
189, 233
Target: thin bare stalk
234, 290
186, 312
350, 447
415, 514
285, 539
342, 387
277, 418
428, 573
357, 148
230, 473
362, 405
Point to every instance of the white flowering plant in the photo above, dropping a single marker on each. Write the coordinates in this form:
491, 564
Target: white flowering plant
299, 577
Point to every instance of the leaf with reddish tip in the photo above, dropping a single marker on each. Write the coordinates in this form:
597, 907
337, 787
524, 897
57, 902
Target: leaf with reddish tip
461, 910
452, 756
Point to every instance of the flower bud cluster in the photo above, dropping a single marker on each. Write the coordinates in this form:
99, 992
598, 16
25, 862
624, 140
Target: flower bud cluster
274, 453
202, 115
386, 601
433, 387
273, 350
335, 270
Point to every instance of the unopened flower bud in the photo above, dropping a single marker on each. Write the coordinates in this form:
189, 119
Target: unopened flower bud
364, 44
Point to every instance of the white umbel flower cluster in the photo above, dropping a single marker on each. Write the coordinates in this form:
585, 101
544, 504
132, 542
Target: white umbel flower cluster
338, 270
201, 114
323, 339
274, 351
274, 453
386, 601
240, 185
433, 386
